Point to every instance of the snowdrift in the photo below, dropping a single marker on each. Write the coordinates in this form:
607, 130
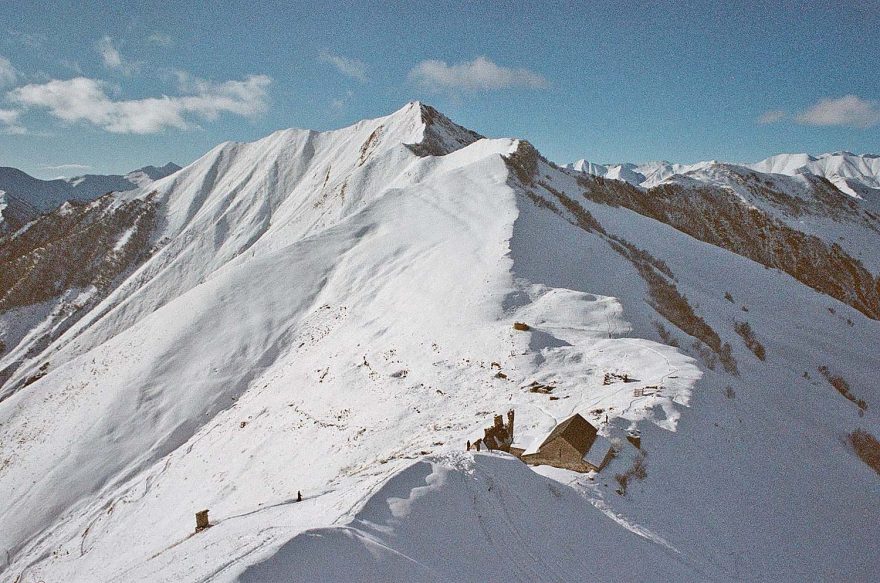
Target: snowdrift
480, 518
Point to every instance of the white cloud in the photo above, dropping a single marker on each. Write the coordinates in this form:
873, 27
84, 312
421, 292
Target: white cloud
481, 74
350, 67
9, 122
110, 55
772, 116
8, 73
160, 38
9, 116
849, 110
208, 99
63, 167
71, 65
340, 103
112, 58
85, 100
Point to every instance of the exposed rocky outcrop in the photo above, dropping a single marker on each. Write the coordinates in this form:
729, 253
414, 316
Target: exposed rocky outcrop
442, 135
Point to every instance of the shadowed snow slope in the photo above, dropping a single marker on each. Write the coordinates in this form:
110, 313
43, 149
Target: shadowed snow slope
317, 312
14, 212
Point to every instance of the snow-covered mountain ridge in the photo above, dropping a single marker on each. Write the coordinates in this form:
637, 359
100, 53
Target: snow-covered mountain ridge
326, 313
32, 196
851, 173
847, 171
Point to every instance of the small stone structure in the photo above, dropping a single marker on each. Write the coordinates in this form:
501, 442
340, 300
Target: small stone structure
202, 520
569, 446
499, 436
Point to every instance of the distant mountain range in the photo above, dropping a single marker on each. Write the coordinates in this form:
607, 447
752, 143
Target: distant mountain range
22, 196
851, 173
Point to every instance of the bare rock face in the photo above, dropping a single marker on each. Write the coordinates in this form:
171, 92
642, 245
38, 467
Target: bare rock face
442, 136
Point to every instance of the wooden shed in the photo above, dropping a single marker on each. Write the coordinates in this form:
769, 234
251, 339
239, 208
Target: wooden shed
568, 446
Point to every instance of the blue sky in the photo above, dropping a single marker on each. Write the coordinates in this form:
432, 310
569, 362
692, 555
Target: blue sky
108, 87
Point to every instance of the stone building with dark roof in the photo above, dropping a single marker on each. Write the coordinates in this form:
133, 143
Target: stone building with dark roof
568, 446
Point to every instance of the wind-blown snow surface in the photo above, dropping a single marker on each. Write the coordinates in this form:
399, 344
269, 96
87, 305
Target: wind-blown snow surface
323, 311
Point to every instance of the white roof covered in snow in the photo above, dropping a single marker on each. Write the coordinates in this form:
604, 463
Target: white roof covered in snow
597, 451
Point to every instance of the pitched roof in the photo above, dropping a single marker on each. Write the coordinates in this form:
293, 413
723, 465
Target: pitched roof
575, 430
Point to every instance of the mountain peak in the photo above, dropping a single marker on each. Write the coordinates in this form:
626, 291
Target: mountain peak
415, 108
441, 135
422, 128
148, 174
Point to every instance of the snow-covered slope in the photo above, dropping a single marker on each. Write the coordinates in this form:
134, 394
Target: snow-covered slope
482, 518
328, 312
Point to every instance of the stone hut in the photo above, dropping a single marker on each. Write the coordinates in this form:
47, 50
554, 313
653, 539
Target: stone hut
568, 446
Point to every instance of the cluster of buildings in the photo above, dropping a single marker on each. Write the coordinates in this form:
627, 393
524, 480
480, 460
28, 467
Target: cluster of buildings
574, 444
